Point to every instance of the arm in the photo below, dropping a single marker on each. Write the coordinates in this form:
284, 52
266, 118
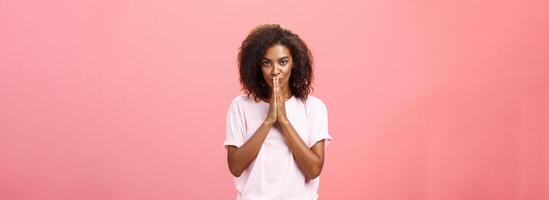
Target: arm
240, 158
311, 160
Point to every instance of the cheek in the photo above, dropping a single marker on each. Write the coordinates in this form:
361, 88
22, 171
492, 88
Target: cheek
266, 76
268, 81
289, 72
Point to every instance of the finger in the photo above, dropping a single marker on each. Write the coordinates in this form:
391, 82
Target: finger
279, 95
274, 90
277, 89
277, 86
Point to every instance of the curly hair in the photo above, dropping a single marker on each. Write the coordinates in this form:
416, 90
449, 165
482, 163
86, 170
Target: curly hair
254, 48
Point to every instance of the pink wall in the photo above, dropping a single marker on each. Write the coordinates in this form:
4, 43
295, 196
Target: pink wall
127, 99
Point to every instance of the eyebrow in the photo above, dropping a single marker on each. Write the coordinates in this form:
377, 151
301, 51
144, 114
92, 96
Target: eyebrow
278, 59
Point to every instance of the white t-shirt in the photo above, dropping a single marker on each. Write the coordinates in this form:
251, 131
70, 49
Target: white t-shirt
274, 174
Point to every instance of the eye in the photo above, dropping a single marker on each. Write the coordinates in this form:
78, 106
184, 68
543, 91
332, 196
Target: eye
265, 63
283, 62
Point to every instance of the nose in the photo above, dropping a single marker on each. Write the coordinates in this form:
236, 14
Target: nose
275, 71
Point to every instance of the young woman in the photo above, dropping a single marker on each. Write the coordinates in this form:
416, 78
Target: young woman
276, 133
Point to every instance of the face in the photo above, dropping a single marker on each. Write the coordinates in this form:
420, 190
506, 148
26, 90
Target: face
277, 62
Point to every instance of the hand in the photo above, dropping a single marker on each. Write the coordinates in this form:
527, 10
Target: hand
280, 103
277, 106
272, 116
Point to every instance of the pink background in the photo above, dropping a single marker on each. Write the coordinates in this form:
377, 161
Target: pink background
427, 99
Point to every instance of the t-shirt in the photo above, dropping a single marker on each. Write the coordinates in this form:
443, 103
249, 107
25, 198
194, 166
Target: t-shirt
274, 174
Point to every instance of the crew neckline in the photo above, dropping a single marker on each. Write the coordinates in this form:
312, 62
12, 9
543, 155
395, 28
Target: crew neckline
291, 98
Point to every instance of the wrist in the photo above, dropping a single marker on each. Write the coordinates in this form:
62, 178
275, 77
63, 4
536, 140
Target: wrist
283, 121
269, 122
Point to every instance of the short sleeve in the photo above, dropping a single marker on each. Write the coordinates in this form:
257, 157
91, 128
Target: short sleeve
234, 134
318, 123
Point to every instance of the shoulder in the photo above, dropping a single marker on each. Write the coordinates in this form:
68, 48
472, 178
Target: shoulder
241, 100
315, 104
313, 101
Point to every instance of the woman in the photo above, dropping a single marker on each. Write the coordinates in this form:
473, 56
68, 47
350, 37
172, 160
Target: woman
277, 132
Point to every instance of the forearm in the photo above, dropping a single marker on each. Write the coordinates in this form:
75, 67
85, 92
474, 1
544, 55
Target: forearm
242, 157
308, 161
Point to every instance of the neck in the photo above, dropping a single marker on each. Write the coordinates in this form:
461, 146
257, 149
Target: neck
286, 92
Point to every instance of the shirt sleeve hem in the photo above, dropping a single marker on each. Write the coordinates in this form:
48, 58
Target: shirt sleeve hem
232, 143
327, 140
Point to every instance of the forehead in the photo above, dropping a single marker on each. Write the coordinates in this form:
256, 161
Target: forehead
277, 51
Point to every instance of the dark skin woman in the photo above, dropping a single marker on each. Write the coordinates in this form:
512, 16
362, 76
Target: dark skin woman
277, 67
